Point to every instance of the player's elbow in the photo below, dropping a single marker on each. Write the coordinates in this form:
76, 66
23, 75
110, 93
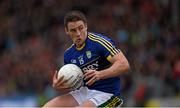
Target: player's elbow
125, 65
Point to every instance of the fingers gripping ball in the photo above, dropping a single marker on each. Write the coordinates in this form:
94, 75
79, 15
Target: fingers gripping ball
73, 75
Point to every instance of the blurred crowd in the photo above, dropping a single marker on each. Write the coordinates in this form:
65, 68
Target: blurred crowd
32, 42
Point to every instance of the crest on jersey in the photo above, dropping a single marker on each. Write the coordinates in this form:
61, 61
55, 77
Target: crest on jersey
88, 54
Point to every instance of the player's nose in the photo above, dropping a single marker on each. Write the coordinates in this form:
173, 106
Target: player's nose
78, 33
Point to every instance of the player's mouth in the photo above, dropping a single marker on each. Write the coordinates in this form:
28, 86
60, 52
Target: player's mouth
78, 40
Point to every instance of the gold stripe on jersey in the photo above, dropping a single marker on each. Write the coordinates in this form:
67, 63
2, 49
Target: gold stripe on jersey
110, 44
114, 101
109, 48
105, 43
112, 53
100, 37
109, 57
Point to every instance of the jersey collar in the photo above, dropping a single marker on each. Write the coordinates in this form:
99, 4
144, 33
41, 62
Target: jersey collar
80, 48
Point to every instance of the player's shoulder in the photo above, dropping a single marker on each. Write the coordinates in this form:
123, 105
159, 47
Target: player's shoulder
99, 38
69, 49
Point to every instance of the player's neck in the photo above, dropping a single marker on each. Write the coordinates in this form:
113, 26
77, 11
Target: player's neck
80, 47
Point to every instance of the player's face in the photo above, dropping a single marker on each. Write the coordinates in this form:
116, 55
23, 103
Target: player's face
77, 31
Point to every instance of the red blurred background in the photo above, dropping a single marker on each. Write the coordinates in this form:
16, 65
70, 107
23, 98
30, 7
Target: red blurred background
32, 42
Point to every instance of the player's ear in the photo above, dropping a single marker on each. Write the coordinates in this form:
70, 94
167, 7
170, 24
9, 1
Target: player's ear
85, 24
66, 30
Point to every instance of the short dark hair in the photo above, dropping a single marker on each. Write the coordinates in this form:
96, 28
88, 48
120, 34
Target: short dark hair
74, 16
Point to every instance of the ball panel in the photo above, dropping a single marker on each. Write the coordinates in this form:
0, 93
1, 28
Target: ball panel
73, 74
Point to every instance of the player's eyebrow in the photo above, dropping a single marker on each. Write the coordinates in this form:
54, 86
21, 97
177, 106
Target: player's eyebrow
72, 29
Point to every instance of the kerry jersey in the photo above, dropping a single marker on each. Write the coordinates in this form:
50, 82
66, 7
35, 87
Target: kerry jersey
95, 55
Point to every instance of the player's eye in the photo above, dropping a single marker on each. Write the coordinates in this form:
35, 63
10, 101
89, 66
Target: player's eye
81, 27
73, 30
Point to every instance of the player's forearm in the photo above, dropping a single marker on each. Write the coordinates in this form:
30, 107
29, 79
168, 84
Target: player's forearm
116, 69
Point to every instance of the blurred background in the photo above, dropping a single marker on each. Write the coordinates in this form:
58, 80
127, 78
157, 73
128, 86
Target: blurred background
32, 42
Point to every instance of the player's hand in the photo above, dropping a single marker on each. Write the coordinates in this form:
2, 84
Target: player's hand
91, 76
59, 84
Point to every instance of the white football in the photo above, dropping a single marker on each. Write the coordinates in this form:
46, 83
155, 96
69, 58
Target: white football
73, 74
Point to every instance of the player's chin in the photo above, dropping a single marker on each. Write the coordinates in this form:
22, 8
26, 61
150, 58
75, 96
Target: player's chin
79, 44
